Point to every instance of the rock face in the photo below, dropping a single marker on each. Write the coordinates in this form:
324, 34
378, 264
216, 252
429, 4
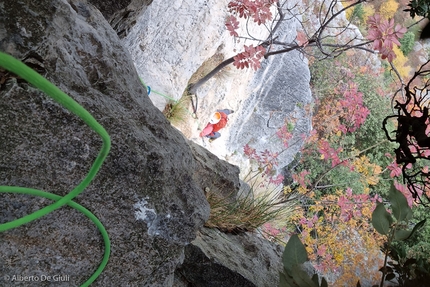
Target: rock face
278, 94
122, 14
145, 193
215, 259
214, 175
172, 40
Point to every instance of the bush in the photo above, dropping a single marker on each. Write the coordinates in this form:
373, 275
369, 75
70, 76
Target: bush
388, 9
356, 13
407, 43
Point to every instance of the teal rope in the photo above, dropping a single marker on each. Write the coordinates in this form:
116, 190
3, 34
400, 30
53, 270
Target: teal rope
20, 69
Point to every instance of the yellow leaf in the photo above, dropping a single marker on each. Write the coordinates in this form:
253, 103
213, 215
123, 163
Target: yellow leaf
377, 169
302, 190
372, 180
388, 9
287, 190
338, 257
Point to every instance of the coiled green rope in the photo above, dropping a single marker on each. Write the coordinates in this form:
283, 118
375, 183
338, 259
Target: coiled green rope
20, 69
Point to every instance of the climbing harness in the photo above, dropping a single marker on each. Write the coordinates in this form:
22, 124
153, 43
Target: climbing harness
15, 66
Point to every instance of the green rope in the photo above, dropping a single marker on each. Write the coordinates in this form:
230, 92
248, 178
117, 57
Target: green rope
20, 69
158, 93
193, 115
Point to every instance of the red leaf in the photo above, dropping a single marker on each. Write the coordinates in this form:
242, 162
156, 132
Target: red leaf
250, 58
384, 35
301, 38
232, 24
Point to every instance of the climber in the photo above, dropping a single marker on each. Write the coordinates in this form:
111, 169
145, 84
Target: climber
218, 121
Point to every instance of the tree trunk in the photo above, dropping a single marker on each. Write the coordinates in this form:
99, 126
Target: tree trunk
192, 88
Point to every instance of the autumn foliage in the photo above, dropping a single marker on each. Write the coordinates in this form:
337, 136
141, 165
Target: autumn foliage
384, 35
258, 10
381, 31
338, 236
389, 8
251, 58
338, 177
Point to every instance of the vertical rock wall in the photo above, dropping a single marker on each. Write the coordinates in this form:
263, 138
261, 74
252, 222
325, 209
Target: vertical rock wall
171, 41
278, 93
145, 193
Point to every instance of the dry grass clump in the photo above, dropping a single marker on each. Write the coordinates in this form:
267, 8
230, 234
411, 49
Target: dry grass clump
177, 111
246, 213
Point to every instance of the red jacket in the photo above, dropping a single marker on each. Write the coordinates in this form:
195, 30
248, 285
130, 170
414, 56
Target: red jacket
221, 124
211, 128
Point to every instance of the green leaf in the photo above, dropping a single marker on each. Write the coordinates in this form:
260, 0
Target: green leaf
381, 219
287, 280
324, 282
294, 253
386, 269
390, 276
315, 279
394, 254
301, 278
399, 204
283, 281
402, 234
417, 226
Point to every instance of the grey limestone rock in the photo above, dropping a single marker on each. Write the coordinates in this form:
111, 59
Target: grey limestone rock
144, 194
214, 175
278, 93
111, 8
122, 15
216, 259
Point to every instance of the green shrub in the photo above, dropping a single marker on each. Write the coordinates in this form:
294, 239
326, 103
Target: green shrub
407, 43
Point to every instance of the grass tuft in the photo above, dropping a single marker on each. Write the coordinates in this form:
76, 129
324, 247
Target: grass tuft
247, 212
177, 111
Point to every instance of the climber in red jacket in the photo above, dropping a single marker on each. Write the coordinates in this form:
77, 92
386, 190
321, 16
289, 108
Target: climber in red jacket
218, 121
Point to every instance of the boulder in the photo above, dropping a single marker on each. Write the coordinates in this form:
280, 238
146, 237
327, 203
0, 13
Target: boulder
214, 175
145, 194
216, 259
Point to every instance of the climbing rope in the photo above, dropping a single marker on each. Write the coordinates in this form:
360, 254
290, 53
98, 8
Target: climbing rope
149, 90
13, 65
